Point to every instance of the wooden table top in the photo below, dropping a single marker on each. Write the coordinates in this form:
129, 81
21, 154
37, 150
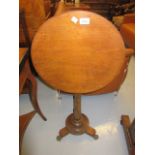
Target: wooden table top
77, 52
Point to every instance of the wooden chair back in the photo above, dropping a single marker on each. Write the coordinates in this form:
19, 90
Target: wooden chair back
23, 28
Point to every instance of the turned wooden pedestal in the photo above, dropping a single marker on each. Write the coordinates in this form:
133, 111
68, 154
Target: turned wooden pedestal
77, 123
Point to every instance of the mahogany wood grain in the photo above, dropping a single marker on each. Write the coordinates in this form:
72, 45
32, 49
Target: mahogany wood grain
78, 58
34, 15
27, 81
127, 126
24, 121
27, 76
77, 123
22, 53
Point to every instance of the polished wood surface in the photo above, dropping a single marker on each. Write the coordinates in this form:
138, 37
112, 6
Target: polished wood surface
27, 81
115, 84
129, 132
35, 16
26, 78
24, 121
77, 123
22, 53
78, 58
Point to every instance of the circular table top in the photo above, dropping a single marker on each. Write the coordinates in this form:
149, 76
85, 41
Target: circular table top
78, 52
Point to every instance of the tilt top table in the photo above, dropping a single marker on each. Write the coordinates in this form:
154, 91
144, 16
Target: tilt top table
77, 52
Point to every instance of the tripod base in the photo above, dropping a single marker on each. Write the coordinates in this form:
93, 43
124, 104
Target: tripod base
77, 127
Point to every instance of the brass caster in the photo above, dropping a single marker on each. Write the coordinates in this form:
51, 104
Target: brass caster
59, 138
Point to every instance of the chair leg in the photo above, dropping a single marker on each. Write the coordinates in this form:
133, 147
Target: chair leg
125, 121
24, 121
33, 96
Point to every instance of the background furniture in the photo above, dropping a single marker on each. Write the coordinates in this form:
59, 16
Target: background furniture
129, 131
127, 30
73, 56
69, 1
102, 7
27, 82
36, 13
110, 8
24, 121
63, 7
34, 16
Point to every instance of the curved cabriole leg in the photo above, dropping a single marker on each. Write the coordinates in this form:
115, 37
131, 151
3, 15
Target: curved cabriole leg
91, 132
62, 133
33, 95
24, 121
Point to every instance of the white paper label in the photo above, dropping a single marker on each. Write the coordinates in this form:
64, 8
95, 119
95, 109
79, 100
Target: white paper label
84, 21
74, 19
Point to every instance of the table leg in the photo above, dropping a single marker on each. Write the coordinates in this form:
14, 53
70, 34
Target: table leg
77, 123
92, 132
63, 132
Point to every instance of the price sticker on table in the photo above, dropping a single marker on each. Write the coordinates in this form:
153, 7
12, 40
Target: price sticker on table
84, 21
74, 19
